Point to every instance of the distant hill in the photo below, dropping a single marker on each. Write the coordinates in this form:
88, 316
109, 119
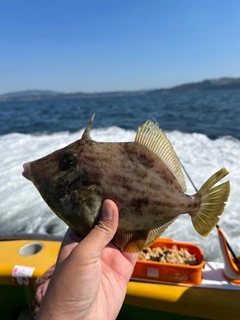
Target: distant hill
29, 95
213, 84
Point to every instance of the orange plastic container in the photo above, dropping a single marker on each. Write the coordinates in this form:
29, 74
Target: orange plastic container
168, 272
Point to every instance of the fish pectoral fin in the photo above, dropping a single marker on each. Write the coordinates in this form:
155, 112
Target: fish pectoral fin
152, 137
213, 203
136, 241
85, 194
88, 202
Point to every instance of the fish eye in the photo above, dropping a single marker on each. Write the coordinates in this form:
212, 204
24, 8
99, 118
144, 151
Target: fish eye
68, 160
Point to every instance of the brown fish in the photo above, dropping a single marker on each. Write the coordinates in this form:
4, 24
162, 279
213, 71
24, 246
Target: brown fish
143, 177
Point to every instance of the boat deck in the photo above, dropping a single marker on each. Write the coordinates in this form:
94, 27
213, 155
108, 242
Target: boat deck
214, 298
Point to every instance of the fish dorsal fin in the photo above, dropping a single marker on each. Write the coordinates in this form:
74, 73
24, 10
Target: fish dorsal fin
152, 137
137, 240
86, 133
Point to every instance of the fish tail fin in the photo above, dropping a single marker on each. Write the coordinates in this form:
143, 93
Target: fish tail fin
213, 203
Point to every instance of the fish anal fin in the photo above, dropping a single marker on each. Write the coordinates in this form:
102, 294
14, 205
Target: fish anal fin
130, 241
86, 133
154, 234
152, 137
136, 241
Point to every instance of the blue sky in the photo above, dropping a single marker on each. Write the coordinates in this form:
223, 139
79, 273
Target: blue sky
110, 45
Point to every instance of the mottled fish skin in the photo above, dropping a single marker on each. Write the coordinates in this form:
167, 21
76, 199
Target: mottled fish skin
145, 191
75, 180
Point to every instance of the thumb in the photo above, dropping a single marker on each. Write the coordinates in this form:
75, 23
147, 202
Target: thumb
104, 230
108, 221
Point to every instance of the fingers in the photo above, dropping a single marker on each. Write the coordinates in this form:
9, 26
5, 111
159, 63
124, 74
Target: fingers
70, 241
94, 243
108, 222
97, 239
71, 237
131, 257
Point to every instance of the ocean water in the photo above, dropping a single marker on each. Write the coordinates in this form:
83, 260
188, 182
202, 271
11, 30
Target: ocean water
203, 128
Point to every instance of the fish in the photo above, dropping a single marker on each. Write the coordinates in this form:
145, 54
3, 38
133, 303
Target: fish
143, 177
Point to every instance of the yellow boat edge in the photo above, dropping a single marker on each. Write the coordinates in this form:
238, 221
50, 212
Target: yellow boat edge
162, 297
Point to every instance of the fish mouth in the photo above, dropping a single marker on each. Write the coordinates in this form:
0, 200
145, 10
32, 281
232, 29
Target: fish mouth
42, 185
27, 171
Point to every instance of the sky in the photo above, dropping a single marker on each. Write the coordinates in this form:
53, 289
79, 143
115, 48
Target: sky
110, 45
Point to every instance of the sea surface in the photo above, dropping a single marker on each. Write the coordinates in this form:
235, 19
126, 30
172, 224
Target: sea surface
203, 127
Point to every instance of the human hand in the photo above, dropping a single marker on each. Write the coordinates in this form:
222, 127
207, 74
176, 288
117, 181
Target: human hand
91, 274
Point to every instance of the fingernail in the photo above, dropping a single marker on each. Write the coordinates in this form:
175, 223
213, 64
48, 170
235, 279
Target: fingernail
107, 212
